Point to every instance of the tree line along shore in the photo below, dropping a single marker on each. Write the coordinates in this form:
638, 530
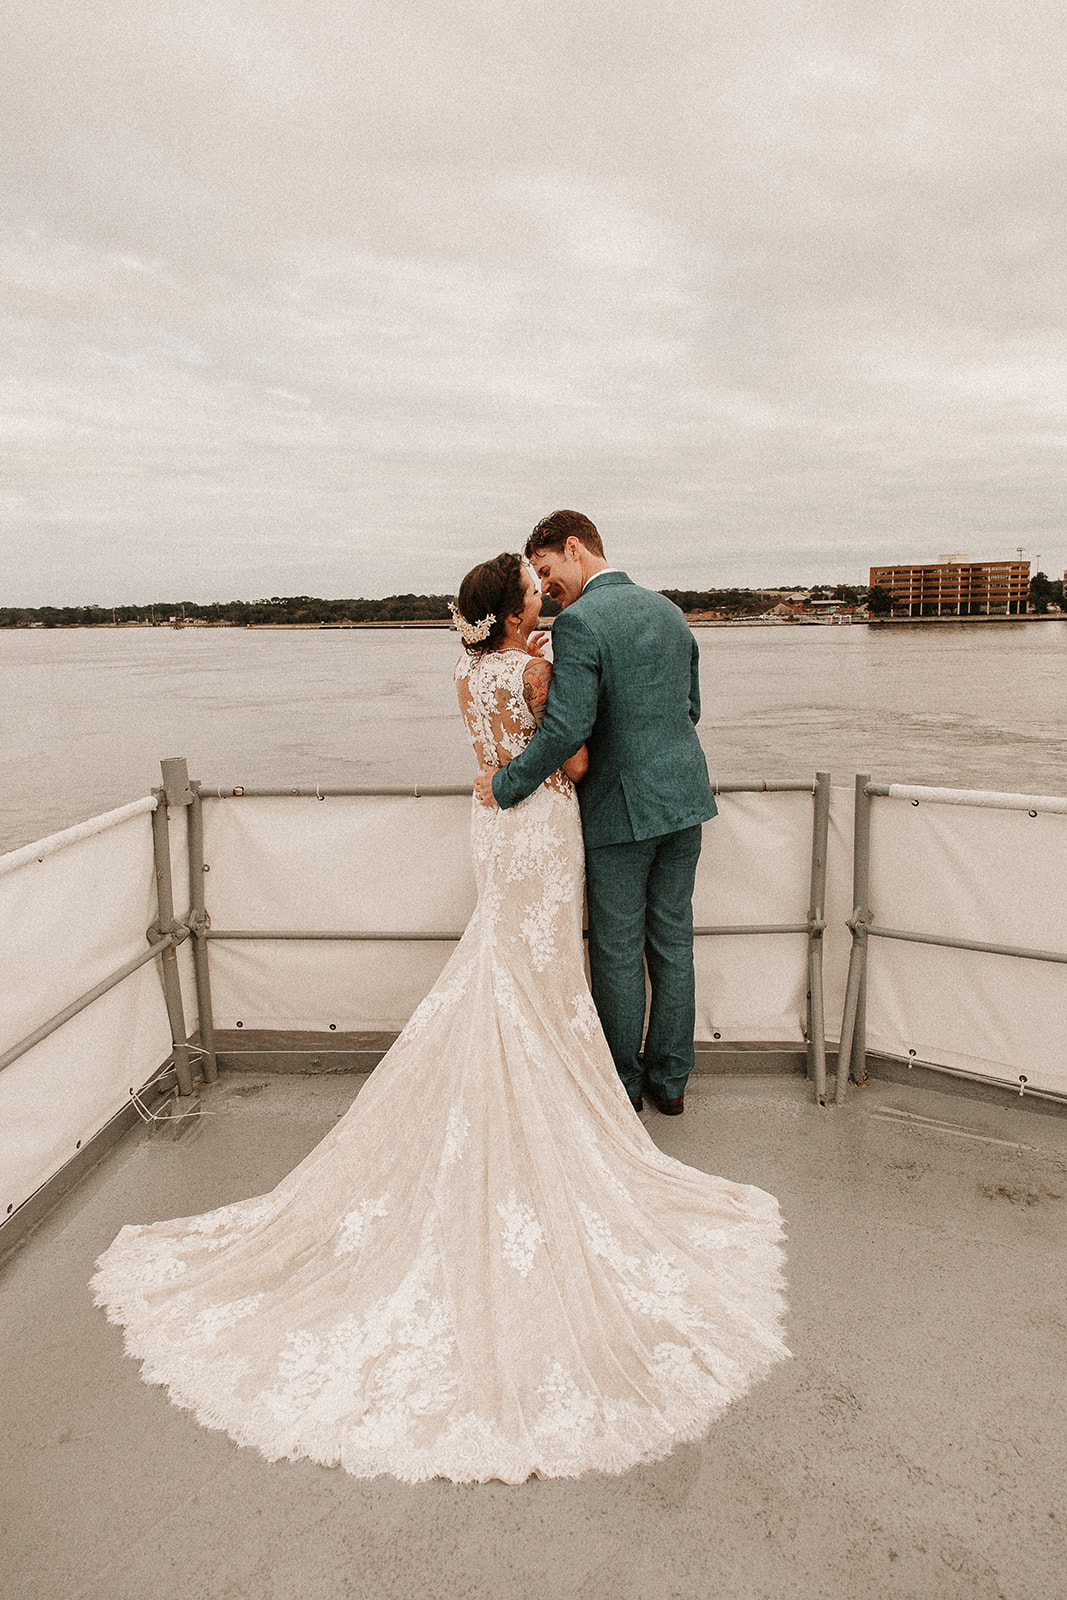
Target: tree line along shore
786, 603
308, 611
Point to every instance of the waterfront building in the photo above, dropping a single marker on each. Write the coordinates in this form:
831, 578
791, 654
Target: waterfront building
955, 587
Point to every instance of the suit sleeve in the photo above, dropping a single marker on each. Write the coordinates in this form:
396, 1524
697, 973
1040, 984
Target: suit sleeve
694, 685
569, 716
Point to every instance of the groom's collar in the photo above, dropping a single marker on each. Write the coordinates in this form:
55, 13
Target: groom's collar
613, 574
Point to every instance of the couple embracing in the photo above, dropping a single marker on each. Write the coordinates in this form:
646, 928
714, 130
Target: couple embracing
624, 685
487, 1269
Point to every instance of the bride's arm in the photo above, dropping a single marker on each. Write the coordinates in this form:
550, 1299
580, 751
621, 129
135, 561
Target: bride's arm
535, 681
578, 765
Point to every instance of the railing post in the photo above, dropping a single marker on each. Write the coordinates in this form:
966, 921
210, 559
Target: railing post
198, 927
852, 1051
817, 922
862, 848
175, 791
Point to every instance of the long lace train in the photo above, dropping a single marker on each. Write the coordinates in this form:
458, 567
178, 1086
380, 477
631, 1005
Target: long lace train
487, 1269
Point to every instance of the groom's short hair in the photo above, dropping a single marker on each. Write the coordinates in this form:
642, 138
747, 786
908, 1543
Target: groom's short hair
552, 533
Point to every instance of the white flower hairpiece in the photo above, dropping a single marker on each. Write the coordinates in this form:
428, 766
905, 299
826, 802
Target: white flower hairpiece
471, 632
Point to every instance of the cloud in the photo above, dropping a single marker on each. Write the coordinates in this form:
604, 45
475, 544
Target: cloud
330, 299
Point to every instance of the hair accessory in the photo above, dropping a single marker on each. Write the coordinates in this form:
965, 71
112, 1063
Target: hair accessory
471, 632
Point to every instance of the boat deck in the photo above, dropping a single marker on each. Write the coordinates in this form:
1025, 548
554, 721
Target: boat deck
916, 1445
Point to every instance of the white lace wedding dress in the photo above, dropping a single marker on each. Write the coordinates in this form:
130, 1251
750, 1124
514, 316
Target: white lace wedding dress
486, 1269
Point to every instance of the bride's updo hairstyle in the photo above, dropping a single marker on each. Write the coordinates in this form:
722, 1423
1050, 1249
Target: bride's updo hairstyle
493, 590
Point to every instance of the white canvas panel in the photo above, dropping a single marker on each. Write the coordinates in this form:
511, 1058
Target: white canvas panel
70, 920
995, 876
752, 988
292, 984
70, 916
755, 867
338, 863
756, 860
994, 1016
11, 860
391, 864
66, 1088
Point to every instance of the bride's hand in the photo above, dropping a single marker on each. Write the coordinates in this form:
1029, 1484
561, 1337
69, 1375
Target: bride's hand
535, 644
483, 786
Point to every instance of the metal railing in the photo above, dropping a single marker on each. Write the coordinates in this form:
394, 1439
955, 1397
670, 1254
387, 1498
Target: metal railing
23, 1046
177, 793
168, 931
813, 928
852, 1051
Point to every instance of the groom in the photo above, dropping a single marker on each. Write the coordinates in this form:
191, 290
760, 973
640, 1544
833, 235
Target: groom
624, 683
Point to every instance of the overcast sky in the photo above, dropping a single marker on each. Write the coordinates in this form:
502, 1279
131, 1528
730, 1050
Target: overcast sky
337, 298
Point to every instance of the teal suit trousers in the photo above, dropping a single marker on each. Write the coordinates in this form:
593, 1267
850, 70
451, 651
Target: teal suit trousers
640, 897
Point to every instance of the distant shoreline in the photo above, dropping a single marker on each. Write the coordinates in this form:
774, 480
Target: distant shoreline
911, 622
545, 622
864, 622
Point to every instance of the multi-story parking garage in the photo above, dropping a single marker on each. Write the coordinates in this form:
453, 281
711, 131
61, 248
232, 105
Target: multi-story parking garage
957, 588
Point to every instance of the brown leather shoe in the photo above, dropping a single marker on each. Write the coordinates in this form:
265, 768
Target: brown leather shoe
669, 1108
637, 1102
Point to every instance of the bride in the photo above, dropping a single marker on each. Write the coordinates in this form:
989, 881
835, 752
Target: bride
486, 1270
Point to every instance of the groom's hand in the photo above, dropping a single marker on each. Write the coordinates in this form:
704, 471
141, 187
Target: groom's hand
483, 786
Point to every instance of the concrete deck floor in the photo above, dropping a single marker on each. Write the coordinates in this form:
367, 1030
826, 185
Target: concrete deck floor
915, 1446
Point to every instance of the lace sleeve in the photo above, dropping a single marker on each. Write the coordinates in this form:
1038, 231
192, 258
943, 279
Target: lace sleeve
490, 690
500, 716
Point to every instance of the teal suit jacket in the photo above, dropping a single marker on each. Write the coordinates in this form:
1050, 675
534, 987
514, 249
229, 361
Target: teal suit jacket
625, 684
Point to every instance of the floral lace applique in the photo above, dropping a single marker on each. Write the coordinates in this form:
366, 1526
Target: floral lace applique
510, 1000
709, 1238
654, 1286
219, 1228
604, 1243
211, 1321
456, 1132
565, 1407
351, 1229
403, 1351
499, 721
599, 1167
419, 1378
662, 1294
585, 1022
158, 1262
684, 1372
521, 1234
444, 994
539, 926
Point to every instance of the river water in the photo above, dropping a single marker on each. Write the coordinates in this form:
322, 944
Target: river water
86, 714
